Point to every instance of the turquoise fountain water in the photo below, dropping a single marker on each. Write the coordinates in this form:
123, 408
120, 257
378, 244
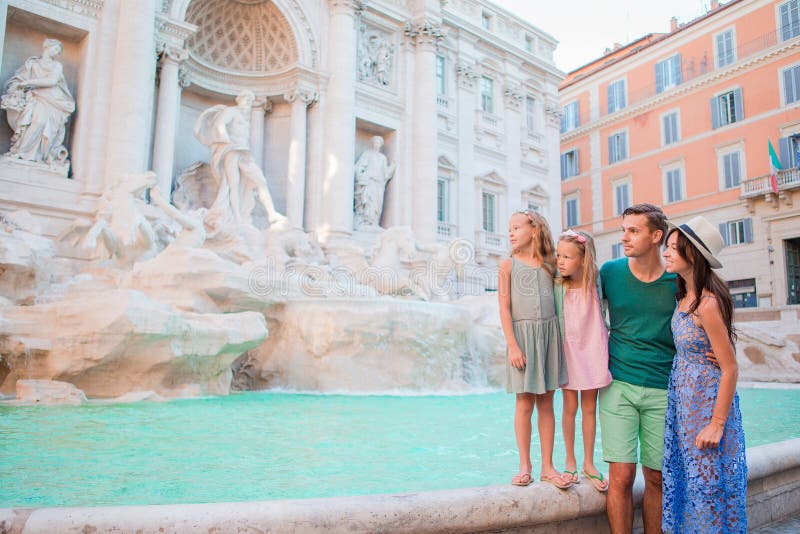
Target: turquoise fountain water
257, 446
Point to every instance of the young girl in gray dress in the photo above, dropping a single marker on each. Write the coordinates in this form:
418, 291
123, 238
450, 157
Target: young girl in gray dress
535, 364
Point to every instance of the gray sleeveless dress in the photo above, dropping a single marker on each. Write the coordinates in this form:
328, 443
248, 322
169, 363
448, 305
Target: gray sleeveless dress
535, 326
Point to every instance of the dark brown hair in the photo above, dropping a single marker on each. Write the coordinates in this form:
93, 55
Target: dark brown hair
656, 219
704, 279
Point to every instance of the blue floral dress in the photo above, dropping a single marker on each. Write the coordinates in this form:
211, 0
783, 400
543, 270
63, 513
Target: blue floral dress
704, 491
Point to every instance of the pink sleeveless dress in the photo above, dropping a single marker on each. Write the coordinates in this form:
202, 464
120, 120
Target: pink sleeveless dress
585, 341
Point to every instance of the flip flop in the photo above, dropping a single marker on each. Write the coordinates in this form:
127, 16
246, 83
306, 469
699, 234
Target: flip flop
522, 479
597, 481
555, 480
573, 476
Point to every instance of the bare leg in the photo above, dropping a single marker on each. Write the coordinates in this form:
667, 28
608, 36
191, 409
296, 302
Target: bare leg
619, 503
546, 420
522, 429
232, 176
570, 397
651, 503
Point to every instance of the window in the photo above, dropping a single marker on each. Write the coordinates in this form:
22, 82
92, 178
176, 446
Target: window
534, 207
668, 73
530, 113
727, 108
617, 147
673, 186
671, 128
616, 96
617, 251
790, 19
725, 48
441, 200
489, 202
569, 117
487, 94
441, 87
791, 85
789, 148
569, 164
571, 212
486, 21
731, 170
737, 232
622, 197
743, 293
528, 43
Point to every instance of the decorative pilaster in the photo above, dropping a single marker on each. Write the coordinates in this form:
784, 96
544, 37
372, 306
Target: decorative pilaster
339, 120
295, 196
425, 35
167, 113
132, 89
261, 106
512, 121
468, 222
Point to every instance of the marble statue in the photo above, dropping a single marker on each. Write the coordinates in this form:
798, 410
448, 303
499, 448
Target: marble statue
372, 173
38, 105
226, 131
120, 223
375, 55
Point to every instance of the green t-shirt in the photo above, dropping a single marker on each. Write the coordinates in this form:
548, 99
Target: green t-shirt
640, 345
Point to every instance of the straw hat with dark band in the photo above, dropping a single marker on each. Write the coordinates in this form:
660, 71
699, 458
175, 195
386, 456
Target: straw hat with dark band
704, 236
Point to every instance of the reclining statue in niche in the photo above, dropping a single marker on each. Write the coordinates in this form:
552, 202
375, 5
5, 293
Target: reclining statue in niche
38, 105
226, 131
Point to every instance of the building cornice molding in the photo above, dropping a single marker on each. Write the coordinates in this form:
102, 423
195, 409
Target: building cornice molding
171, 32
786, 48
87, 8
272, 84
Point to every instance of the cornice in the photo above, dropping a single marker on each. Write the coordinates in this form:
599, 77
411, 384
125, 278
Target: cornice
231, 83
683, 89
87, 8
171, 31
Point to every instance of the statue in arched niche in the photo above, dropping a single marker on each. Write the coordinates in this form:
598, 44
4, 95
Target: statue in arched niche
372, 173
38, 105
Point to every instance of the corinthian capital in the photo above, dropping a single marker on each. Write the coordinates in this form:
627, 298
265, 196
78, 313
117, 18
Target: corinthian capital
424, 32
301, 94
513, 95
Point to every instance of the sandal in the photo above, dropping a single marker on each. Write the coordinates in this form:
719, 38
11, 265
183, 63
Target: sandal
598, 481
522, 479
556, 480
573, 476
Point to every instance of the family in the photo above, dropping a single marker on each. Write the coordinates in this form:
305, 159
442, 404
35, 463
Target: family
649, 337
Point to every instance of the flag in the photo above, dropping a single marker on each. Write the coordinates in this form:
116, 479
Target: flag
774, 167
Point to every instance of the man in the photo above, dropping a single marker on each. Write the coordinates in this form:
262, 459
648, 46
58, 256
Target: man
226, 130
641, 300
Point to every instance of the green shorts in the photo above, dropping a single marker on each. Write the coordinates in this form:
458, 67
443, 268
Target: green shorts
631, 414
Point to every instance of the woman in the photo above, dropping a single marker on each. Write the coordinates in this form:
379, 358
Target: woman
704, 471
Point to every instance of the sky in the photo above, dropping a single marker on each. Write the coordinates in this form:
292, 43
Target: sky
585, 28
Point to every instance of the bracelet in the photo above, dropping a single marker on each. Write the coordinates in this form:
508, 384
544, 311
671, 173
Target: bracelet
718, 420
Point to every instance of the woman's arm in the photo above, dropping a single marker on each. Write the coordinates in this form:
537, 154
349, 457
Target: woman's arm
717, 331
515, 356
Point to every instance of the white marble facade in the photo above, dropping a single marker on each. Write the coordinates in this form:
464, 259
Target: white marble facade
463, 94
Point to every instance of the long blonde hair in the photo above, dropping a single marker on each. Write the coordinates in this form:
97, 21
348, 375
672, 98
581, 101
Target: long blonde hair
542, 248
585, 245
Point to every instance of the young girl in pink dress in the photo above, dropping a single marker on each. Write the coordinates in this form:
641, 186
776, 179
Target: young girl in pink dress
578, 305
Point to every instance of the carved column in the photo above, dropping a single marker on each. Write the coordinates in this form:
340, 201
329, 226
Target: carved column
296, 194
261, 106
426, 36
553, 136
512, 120
168, 111
339, 121
132, 89
468, 221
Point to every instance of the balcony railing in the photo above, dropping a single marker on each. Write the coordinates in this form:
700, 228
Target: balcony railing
490, 242
489, 120
442, 101
788, 179
446, 230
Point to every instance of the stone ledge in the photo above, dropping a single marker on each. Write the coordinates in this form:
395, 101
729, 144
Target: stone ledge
773, 493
